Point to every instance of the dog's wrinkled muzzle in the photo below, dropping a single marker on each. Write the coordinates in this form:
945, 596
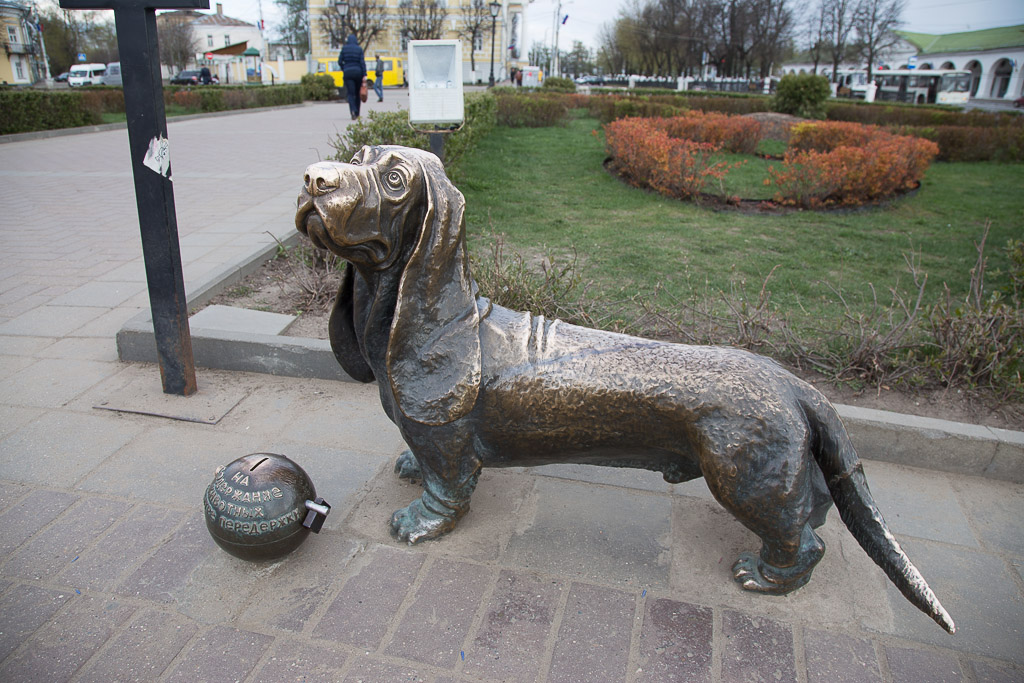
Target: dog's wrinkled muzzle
331, 194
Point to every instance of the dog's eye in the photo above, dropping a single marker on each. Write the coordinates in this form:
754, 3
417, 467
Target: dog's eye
393, 179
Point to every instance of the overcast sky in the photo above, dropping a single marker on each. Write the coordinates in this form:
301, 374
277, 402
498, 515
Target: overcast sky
587, 16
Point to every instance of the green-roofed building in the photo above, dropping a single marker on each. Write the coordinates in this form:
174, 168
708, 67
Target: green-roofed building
993, 56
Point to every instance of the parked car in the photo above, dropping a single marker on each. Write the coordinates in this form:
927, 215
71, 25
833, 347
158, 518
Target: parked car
63, 78
86, 74
187, 77
112, 76
1019, 102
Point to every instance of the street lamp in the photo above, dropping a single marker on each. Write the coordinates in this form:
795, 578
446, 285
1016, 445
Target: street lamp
343, 11
495, 9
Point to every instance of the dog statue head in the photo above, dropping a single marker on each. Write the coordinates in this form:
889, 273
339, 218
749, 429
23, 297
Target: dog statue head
392, 210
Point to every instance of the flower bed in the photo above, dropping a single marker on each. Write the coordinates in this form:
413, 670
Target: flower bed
826, 164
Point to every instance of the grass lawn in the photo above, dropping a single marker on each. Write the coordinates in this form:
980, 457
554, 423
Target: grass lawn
169, 110
546, 189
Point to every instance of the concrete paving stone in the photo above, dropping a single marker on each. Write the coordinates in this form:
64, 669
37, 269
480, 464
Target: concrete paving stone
143, 650
337, 475
369, 600
985, 673
244, 320
675, 642
987, 608
61, 447
24, 346
23, 609
366, 669
839, 658
51, 321
191, 451
28, 516
51, 383
923, 666
99, 294
10, 365
846, 589
130, 271
167, 572
82, 348
756, 649
10, 493
516, 626
62, 543
220, 654
996, 509
107, 325
918, 503
345, 425
284, 594
479, 536
605, 534
293, 660
18, 308
13, 418
593, 640
625, 477
434, 628
58, 649
129, 541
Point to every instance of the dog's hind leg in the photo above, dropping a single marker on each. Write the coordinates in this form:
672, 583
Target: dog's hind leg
783, 565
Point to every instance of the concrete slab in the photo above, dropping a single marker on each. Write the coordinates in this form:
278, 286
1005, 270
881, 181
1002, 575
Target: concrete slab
138, 390
242, 320
990, 596
591, 533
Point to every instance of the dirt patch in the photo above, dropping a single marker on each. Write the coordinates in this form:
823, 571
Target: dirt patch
276, 288
774, 125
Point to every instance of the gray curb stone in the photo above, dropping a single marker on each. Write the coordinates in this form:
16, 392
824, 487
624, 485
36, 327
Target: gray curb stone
909, 440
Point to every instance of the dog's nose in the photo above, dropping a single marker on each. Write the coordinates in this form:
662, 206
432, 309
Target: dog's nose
321, 178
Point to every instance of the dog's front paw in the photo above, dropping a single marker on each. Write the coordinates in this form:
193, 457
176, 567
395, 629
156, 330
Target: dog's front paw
415, 523
408, 467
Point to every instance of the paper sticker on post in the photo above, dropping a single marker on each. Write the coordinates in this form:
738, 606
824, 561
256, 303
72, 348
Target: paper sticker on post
158, 156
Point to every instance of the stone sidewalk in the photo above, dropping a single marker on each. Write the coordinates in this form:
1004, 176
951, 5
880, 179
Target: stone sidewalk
561, 573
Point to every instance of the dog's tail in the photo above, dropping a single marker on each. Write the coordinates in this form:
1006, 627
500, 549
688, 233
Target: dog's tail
844, 476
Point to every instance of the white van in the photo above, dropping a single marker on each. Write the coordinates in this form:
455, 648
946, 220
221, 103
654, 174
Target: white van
112, 76
86, 74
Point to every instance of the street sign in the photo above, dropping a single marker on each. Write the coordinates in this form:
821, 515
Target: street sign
81, 57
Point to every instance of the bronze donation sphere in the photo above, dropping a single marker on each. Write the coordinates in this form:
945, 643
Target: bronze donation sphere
255, 507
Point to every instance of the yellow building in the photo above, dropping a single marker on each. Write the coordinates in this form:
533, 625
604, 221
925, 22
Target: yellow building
398, 21
18, 63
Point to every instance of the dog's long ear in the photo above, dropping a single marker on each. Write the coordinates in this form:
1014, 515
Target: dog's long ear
434, 350
342, 329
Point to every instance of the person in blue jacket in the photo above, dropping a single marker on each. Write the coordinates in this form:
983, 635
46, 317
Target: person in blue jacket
353, 65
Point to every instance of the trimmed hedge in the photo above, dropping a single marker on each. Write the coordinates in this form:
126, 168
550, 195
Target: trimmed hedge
23, 111
973, 143
531, 110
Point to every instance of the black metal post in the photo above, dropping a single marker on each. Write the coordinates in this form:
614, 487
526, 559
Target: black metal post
135, 22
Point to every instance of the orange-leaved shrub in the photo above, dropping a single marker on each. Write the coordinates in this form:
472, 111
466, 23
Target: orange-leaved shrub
737, 134
846, 164
646, 154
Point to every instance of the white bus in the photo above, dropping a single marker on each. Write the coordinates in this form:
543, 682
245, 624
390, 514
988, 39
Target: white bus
923, 86
852, 83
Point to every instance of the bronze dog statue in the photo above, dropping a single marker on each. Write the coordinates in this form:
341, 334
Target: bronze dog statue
471, 384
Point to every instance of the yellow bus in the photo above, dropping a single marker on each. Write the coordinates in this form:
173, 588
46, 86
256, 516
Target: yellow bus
393, 73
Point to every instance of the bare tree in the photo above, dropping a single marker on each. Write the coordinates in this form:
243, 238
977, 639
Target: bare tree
421, 19
475, 23
874, 21
294, 26
365, 20
838, 26
178, 43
